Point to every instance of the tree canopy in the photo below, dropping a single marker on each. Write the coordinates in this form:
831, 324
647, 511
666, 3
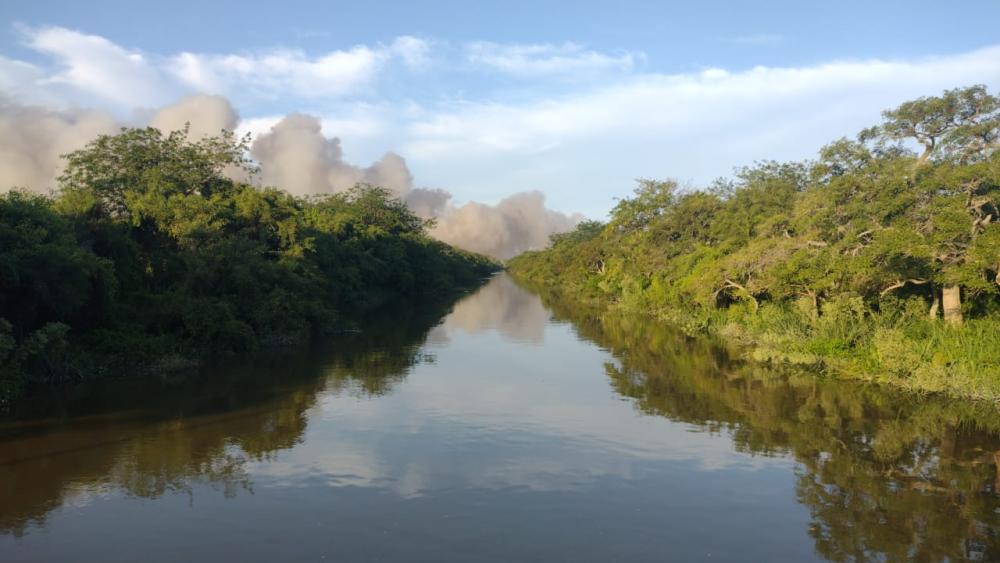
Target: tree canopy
152, 250
870, 226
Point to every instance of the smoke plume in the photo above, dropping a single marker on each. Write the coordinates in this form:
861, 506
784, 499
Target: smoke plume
428, 203
296, 156
519, 222
32, 140
204, 115
293, 155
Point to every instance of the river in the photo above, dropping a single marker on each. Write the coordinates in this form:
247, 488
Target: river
498, 428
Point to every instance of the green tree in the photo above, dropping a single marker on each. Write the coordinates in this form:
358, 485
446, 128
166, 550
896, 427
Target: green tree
838, 263
154, 250
963, 122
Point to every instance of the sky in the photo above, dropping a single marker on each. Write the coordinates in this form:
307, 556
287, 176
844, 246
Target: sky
573, 99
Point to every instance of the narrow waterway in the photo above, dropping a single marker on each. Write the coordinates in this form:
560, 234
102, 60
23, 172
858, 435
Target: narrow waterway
500, 429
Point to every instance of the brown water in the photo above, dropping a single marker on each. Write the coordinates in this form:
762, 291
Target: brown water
508, 430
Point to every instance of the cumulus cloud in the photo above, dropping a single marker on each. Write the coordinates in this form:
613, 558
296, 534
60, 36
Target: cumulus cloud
95, 66
91, 68
542, 59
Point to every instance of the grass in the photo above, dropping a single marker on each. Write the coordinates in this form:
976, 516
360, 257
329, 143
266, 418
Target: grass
899, 345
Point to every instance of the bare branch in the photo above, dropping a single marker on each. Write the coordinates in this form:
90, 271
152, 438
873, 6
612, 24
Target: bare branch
902, 283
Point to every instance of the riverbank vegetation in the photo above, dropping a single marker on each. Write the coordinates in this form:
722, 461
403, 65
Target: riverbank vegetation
150, 254
874, 260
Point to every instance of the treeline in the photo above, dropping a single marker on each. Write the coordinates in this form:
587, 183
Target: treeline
873, 260
150, 254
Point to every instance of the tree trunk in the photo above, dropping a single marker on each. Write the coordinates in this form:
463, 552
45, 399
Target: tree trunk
951, 300
935, 306
996, 469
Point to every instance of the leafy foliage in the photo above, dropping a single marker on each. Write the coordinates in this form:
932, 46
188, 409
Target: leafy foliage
779, 255
150, 250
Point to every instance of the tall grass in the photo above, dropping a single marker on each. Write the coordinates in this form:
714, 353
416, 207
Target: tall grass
898, 345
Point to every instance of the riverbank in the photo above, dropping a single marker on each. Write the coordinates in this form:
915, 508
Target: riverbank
898, 346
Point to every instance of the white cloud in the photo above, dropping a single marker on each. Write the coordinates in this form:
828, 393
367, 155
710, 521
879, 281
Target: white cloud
91, 69
581, 147
280, 72
18, 77
546, 59
414, 51
95, 66
694, 126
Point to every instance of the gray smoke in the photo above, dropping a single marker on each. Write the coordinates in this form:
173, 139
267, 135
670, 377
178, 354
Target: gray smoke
296, 156
518, 223
293, 155
33, 139
204, 115
428, 203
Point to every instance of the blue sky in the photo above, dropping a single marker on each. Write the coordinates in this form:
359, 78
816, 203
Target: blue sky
575, 99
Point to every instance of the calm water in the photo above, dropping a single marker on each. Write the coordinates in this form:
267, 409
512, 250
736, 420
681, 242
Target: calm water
501, 430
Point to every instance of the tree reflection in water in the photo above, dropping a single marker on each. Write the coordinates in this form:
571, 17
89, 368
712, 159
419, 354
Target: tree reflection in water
885, 475
152, 436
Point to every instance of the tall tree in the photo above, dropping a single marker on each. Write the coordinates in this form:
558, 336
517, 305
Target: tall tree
963, 122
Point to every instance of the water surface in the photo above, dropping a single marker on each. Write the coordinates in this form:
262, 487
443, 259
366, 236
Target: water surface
504, 429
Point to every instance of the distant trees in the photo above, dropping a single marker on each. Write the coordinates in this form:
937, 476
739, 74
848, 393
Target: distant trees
151, 248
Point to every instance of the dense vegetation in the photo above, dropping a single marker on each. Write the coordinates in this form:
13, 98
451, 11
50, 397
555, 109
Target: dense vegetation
873, 261
150, 254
